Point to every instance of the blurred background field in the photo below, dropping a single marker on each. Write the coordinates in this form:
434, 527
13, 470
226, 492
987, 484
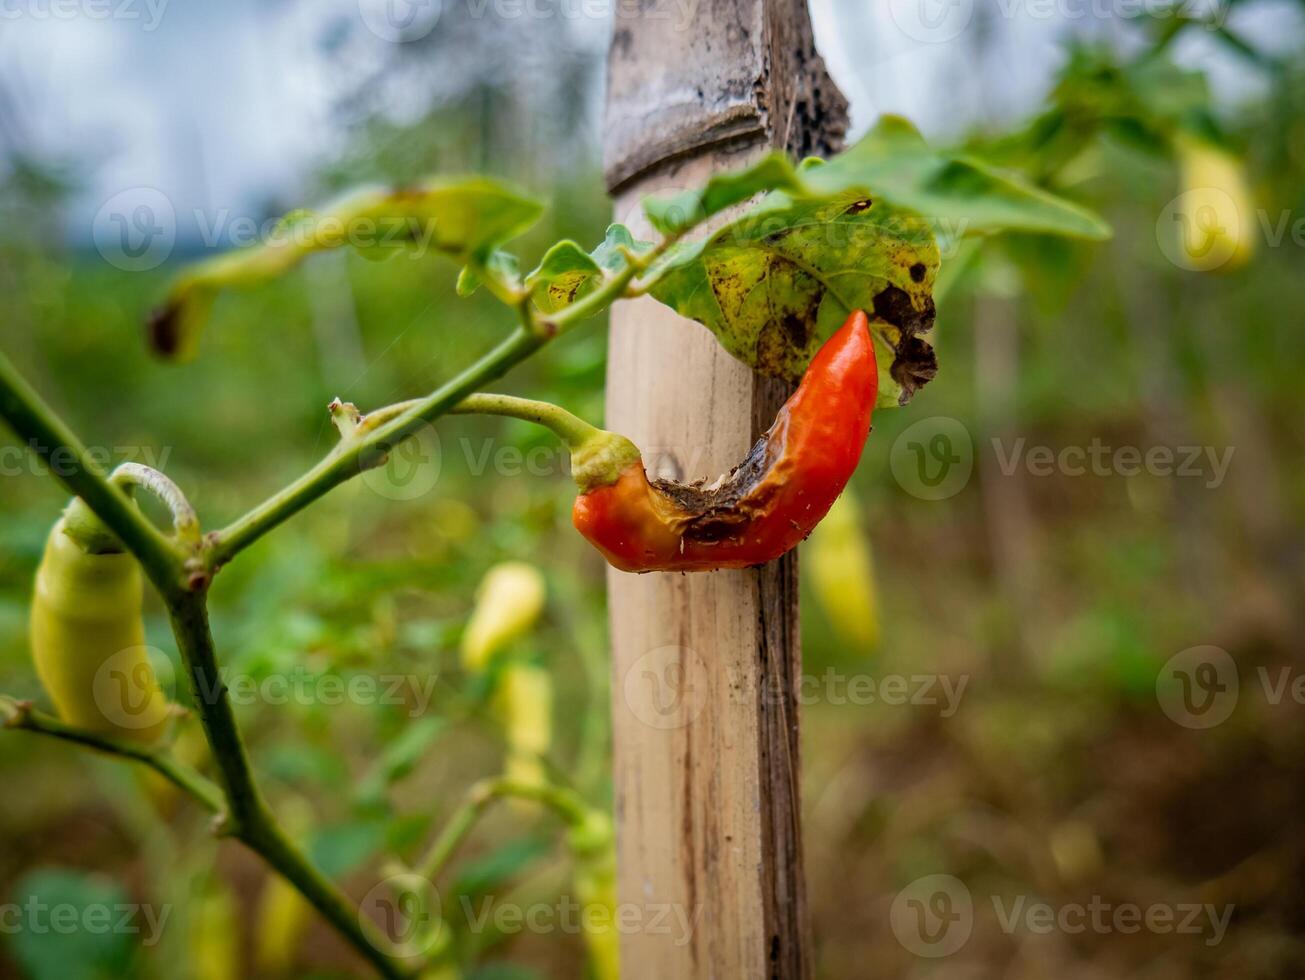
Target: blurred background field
1052, 603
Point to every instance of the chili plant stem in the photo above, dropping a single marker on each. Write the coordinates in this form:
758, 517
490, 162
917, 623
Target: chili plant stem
563, 802
244, 815
21, 716
71, 463
270, 842
248, 818
571, 430
353, 457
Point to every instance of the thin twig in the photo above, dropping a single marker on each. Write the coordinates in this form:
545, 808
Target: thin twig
353, 457
72, 464
21, 716
563, 802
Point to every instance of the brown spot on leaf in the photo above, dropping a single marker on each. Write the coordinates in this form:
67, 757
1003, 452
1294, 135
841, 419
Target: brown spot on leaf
916, 363
915, 366
788, 337
917, 272
164, 329
894, 305
856, 207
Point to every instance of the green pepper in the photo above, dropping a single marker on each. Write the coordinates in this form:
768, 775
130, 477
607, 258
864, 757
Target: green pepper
88, 640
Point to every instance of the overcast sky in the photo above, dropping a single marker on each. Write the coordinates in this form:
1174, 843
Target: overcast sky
227, 105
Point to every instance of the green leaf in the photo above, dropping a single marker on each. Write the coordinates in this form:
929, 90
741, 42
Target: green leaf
498, 269
567, 272
854, 232
958, 195
338, 849
399, 758
680, 212
464, 218
84, 942
484, 874
564, 274
776, 283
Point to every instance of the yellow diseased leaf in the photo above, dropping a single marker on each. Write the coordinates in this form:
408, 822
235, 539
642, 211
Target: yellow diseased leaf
508, 602
839, 563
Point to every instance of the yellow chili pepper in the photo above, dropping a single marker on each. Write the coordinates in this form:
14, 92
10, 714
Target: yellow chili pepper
283, 916
88, 641
523, 704
594, 878
283, 912
214, 935
841, 568
1214, 217
508, 602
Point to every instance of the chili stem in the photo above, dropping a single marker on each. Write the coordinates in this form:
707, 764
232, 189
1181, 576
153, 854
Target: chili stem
21, 716
571, 430
73, 466
353, 457
567, 805
185, 522
248, 818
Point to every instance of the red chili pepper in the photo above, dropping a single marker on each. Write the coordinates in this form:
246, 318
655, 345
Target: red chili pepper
766, 505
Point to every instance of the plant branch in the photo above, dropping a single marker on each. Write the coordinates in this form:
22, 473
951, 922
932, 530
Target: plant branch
563, 802
244, 814
571, 429
353, 457
248, 818
613, 289
73, 466
185, 522
21, 716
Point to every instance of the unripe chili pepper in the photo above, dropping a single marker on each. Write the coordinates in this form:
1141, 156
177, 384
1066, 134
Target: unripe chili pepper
88, 640
214, 931
767, 504
284, 915
840, 566
524, 705
508, 602
593, 849
1214, 217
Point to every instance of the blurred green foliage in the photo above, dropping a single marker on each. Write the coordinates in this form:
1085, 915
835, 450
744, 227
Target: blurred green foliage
1055, 599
